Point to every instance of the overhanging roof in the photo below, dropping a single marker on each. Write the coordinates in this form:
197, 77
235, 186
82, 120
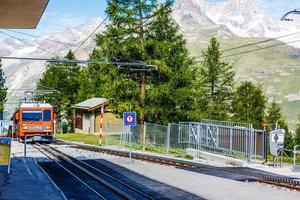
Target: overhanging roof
91, 104
21, 14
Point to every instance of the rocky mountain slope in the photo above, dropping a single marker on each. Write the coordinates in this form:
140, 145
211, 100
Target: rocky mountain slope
234, 23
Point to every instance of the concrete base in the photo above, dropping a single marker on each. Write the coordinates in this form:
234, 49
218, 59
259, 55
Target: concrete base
26, 181
215, 157
296, 168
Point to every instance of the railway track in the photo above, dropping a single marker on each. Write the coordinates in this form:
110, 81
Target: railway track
112, 188
276, 180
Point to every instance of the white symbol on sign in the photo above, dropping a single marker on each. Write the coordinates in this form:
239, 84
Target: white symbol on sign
129, 119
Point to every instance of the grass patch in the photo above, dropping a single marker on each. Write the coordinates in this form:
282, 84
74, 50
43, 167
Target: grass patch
82, 138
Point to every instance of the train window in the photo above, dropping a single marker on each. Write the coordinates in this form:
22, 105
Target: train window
31, 115
47, 115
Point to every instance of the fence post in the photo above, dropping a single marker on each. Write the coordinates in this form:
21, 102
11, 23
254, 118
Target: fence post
198, 141
168, 137
106, 135
250, 143
144, 135
265, 146
230, 141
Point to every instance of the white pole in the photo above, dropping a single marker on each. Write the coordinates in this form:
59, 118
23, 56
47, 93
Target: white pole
8, 167
54, 128
129, 132
101, 124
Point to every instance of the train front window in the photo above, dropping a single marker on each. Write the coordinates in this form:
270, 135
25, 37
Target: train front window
32, 115
47, 115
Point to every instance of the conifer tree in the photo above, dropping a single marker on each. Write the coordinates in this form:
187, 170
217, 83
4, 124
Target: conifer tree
297, 134
143, 31
249, 104
172, 94
3, 91
217, 80
123, 40
63, 77
275, 118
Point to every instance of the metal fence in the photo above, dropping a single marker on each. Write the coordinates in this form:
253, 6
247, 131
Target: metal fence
6, 127
223, 138
226, 138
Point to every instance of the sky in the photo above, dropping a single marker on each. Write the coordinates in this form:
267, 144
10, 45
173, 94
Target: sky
63, 14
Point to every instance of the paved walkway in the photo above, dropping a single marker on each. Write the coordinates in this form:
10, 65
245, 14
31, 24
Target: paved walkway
26, 181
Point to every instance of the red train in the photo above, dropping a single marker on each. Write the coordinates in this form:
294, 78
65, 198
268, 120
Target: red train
34, 121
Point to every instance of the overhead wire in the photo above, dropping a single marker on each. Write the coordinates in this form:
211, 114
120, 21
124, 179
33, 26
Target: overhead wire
92, 33
258, 49
260, 42
40, 37
51, 60
25, 42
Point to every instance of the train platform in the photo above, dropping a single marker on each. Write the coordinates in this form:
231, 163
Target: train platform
206, 185
26, 180
284, 170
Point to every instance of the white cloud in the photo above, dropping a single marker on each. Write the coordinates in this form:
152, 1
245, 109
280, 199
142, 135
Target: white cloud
55, 21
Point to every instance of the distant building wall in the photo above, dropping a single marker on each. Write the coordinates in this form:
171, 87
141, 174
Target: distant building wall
89, 122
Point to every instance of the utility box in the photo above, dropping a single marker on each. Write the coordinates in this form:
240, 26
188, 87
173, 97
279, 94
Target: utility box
276, 140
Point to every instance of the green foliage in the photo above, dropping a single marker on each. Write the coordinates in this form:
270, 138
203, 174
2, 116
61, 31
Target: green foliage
66, 79
249, 104
297, 134
216, 82
142, 31
275, 118
289, 142
3, 91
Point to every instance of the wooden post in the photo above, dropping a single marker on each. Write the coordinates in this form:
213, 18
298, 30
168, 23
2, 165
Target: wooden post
101, 124
142, 116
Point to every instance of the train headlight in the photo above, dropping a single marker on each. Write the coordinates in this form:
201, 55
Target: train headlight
25, 127
48, 127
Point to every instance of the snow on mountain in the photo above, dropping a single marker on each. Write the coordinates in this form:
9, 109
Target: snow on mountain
198, 21
23, 74
242, 17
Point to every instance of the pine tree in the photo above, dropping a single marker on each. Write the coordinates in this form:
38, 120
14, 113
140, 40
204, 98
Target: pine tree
3, 91
275, 118
143, 31
249, 104
63, 77
297, 134
171, 96
217, 80
123, 40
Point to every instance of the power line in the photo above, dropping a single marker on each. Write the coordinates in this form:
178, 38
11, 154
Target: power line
40, 37
51, 60
91, 34
260, 42
258, 49
28, 43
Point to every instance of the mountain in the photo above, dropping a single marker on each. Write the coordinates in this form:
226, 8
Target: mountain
23, 74
241, 22
246, 19
234, 23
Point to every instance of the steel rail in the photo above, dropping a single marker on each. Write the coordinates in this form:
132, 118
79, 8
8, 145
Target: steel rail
76, 177
71, 160
103, 173
290, 183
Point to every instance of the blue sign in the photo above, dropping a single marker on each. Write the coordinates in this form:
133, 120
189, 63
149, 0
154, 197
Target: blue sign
5, 141
129, 118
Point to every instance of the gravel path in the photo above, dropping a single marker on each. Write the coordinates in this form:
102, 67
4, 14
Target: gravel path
205, 186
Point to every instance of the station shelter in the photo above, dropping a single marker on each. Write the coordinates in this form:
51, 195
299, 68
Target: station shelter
88, 116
